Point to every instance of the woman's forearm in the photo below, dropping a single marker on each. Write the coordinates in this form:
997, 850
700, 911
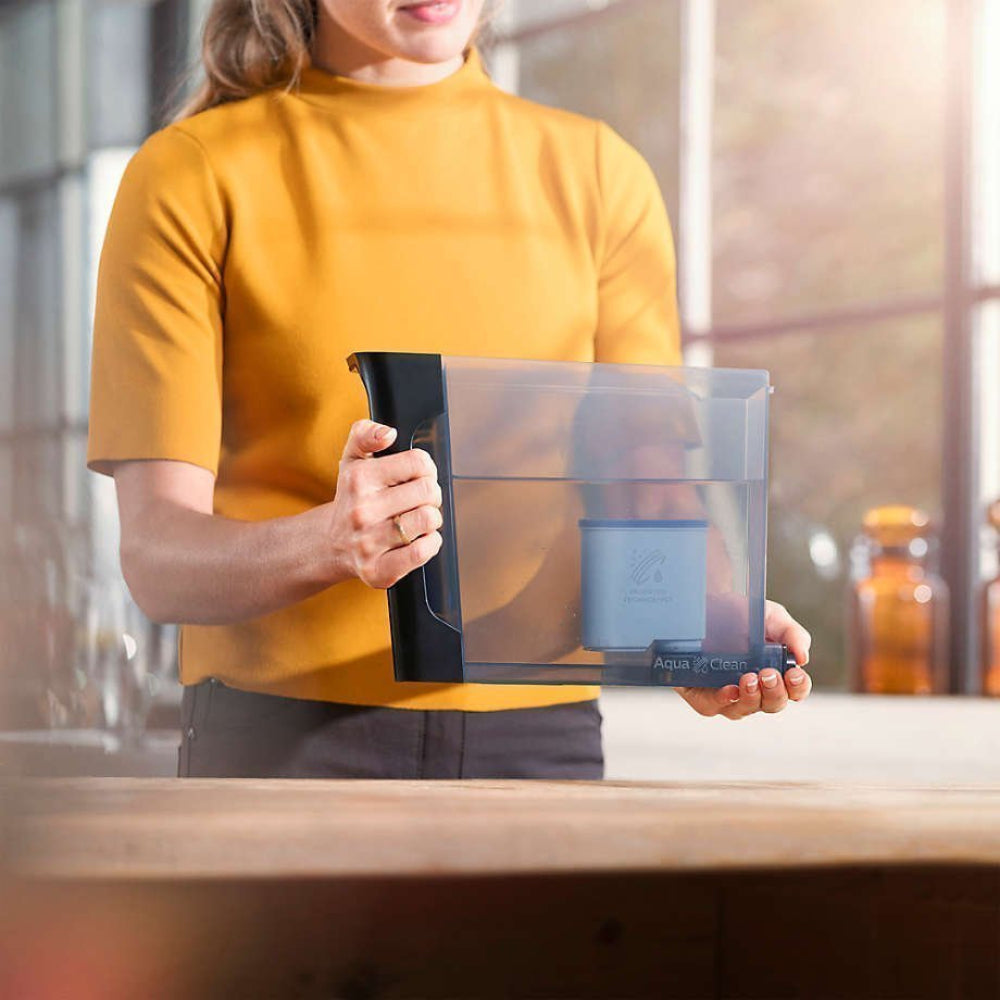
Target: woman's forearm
190, 567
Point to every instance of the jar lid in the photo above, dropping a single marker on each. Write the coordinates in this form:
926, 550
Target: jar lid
896, 524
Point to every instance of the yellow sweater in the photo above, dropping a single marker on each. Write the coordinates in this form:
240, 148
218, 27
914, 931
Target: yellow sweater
252, 247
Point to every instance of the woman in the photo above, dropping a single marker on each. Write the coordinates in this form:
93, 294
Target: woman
350, 179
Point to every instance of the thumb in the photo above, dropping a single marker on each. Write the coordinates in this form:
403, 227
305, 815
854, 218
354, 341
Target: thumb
367, 437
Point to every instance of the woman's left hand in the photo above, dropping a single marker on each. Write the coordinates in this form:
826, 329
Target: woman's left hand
770, 694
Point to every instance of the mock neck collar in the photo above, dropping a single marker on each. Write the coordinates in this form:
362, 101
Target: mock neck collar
320, 86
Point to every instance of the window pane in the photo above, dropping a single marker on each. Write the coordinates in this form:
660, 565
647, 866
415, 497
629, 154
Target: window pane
8, 264
8, 282
855, 422
524, 13
118, 74
624, 71
828, 155
27, 91
985, 215
37, 390
37, 358
37, 479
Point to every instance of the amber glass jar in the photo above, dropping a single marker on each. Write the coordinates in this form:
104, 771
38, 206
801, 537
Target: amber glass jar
991, 620
899, 610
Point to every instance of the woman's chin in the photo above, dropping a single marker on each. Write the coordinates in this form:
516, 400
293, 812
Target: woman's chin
430, 43
431, 50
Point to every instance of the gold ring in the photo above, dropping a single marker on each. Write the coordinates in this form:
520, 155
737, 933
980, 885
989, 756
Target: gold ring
402, 532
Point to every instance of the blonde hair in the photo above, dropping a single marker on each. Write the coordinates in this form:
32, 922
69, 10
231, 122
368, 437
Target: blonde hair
248, 46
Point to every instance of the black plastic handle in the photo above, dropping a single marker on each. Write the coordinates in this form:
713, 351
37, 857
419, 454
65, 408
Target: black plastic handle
405, 391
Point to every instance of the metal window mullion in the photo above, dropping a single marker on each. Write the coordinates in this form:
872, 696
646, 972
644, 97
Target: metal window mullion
826, 323
694, 243
71, 122
960, 448
986, 258
71, 139
74, 333
8, 324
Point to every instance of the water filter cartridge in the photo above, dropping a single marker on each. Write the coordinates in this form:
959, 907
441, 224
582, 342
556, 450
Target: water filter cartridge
643, 581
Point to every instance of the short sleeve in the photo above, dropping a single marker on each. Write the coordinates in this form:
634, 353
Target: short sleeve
637, 283
156, 360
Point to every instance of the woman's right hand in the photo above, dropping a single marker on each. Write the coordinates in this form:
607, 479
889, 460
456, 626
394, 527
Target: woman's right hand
379, 500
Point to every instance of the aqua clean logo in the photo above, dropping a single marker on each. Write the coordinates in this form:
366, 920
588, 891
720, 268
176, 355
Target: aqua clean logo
700, 664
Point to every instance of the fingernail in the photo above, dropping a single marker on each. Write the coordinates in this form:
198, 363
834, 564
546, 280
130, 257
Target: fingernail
795, 676
769, 678
752, 682
383, 432
734, 694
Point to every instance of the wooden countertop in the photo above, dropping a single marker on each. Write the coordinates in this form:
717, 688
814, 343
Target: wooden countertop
92, 828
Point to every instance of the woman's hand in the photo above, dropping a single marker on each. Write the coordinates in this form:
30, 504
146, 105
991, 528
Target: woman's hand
383, 521
769, 694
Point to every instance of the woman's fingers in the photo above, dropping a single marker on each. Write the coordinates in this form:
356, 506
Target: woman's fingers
780, 626
422, 492
773, 696
709, 701
394, 564
402, 467
733, 701
386, 513
749, 700
366, 477
365, 438
766, 692
405, 528
798, 684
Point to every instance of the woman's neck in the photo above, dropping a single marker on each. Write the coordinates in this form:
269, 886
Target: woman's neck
335, 51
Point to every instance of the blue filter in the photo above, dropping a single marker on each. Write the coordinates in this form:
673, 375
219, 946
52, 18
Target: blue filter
643, 582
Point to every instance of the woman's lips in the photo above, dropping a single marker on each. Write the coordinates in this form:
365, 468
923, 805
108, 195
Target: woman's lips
434, 12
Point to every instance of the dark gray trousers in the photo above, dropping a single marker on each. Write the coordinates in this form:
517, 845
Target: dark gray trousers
227, 733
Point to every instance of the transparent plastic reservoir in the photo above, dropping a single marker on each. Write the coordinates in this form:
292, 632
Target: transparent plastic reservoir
603, 523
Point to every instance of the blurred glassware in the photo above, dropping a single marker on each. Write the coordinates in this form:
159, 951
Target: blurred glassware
18, 708
898, 607
36, 656
76, 652
120, 659
102, 648
991, 618
143, 669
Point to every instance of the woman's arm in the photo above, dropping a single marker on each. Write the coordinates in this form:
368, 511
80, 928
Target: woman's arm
183, 563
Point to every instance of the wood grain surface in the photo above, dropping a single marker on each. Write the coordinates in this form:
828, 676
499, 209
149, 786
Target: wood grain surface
109, 828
